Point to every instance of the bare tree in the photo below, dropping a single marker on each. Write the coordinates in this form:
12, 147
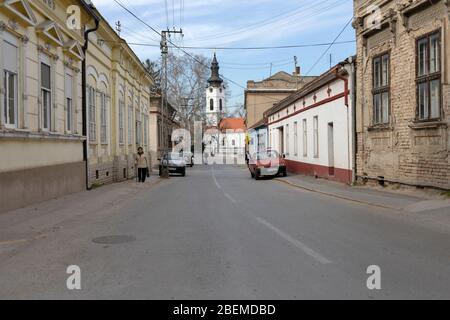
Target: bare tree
187, 83
236, 111
154, 69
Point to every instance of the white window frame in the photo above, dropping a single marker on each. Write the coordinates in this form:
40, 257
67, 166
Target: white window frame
69, 102
8, 72
92, 99
6, 105
121, 121
296, 138
130, 125
316, 136
305, 138
103, 119
287, 140
138, 128
46, 92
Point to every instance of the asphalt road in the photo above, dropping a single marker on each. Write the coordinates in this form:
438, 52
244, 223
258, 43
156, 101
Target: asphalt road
217, 234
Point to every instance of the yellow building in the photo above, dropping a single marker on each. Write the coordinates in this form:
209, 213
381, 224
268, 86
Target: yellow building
42, 117
118, 102
41, 141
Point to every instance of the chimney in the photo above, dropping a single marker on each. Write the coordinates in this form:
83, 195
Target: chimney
297, 71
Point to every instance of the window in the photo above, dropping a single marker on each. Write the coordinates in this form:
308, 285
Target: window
295, 138
46, 96
121, 121
138, 128
220, 104
305, 138
429, 77
103, 119
69, 102
130, 125
316, 136
10, 54
381, 89
287, 140
145, 130
92, 115
211, 104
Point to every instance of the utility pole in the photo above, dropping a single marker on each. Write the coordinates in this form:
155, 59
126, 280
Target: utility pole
295, 68
164, 100
118, 27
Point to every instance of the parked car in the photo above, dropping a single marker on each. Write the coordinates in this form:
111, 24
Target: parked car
267, 164
174, 162
189, 158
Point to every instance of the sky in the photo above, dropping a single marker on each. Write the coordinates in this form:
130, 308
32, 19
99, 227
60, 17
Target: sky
241, 24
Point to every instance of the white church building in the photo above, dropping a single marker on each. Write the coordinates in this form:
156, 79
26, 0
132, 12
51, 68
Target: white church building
223, 137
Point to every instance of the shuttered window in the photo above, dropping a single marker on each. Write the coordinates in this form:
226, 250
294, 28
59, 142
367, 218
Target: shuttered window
10, 54
46, 96
69, 101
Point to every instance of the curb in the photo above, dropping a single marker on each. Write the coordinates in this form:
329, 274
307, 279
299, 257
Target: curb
336, 195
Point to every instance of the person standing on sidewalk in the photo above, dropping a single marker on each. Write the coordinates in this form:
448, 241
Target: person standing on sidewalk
142, 165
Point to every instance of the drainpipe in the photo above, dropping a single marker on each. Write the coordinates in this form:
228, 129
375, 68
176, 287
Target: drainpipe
350, 153
345, 85
84, 97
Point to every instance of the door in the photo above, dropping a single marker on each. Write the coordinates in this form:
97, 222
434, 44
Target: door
331, 149
281, 140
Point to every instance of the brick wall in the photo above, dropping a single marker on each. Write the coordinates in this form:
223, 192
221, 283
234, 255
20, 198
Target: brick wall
403, 150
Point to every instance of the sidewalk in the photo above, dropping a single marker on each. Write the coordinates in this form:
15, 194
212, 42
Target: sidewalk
37, 221
367, 195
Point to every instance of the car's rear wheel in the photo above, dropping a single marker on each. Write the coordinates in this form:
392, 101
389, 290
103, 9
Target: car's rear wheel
257, 175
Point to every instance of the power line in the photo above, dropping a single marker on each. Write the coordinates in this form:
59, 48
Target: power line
265, 22
245, 48
331, 44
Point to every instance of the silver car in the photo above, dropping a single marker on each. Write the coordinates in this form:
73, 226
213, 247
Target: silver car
174, 162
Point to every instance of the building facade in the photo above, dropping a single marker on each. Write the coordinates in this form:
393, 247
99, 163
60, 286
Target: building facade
162, 125
403, 96
260, 96
313, 128
41, 141
118, 103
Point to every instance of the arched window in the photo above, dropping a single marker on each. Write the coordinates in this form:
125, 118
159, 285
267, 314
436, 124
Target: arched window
211, 104
220, 104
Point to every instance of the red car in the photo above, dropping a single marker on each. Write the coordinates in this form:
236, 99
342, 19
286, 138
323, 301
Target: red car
267, 164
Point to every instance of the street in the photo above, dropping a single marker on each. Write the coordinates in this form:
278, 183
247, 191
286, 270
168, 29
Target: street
218, 234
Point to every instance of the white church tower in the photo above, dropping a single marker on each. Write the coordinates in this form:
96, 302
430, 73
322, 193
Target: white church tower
215, 96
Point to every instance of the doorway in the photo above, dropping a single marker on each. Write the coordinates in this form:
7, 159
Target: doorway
331, 149
281, 140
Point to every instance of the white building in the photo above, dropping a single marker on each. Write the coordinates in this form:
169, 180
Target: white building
224, 138
215, 108
313, 128
215, 96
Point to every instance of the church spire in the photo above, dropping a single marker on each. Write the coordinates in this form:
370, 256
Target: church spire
215, 80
